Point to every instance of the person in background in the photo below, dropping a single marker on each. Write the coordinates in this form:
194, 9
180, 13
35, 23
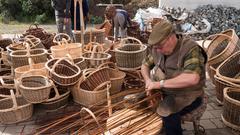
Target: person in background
85, 9
120, 19
182, 77
63, 16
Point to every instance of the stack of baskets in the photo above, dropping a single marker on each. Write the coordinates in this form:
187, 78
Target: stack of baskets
231, 108
220, 48
227, 75
130, 55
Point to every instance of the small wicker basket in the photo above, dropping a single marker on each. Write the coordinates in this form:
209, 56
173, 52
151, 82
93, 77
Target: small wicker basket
130, 56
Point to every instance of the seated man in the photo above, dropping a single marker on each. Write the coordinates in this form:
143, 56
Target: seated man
182, 61
120, 20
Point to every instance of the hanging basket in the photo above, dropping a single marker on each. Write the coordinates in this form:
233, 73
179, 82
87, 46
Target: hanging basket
34, 88
130, 55
63, 71
58, 99
15, 109
222, 46
231, 108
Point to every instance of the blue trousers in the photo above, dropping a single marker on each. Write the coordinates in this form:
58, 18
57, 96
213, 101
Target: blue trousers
172, 123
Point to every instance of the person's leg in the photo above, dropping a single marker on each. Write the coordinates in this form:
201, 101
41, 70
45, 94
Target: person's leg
60, 24
172, 124
69, 30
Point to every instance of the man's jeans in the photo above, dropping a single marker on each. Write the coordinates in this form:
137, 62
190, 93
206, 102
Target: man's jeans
60, 27
172, 123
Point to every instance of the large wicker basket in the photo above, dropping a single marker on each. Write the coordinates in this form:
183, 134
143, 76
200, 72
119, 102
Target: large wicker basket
116, 77
34, 88
231, 108
222, 46
94, 59
88, 98
130, 56
220, 84
63, 71
80, 62
15, 109
20, 58
230, 69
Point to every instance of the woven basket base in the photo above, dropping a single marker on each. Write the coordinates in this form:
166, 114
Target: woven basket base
236, 127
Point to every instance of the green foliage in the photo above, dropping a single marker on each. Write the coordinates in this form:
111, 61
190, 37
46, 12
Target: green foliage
41, 18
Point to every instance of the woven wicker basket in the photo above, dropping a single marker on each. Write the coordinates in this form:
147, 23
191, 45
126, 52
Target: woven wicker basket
211, 72
222, 46
15, 109
130, 56
96, 35
94, 59
88, 98
101, 48
220, 84
95, 79
20, 58
63, 48
231, 108
7, 84
116, 77
58, 99
34, 88
230, 69
63, 71
58, 38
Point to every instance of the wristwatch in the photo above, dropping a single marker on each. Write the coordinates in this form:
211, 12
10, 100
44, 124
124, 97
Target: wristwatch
162, 83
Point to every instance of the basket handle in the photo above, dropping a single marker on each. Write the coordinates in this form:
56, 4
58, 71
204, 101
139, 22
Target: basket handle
93, 116
131, 38
28, 40
89, 46
59, 35
13, 99
87, 71
214, 36
59, 60
30, 27
55, 89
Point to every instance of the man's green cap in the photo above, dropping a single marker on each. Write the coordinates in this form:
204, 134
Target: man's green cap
160, 32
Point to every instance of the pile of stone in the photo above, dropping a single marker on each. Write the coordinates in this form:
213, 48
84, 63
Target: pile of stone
220, 17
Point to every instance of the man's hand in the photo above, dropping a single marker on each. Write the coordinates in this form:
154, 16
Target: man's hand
150, 85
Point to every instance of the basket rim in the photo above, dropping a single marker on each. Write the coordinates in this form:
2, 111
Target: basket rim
108, 56
35, 88
229, 99
51, 100
143, 48
19, 69
230, 124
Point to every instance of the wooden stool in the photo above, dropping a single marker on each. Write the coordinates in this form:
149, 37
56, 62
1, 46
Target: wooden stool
195, 116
